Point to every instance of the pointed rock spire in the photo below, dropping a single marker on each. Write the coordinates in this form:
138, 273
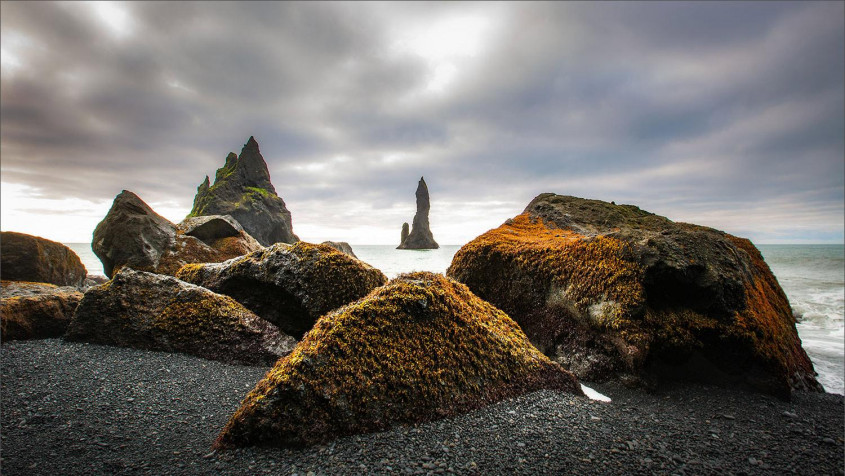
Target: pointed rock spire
242, 189
420, 237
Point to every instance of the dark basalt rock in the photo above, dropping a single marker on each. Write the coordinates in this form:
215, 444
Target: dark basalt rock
32, 258
289, 285
156, 312
133, 235
420, 237
421, 348
406, 230
341, 246
35, 310
612, 291
242, 189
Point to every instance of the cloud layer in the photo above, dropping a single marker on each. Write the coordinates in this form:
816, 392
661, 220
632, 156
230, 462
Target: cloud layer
723, 114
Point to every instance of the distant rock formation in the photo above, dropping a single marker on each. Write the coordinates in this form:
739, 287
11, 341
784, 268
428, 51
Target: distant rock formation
290, 286
420, 237
405, 232
133, 235
151, 311
615, 291
421, 348
243, 190
36, 310
32, 258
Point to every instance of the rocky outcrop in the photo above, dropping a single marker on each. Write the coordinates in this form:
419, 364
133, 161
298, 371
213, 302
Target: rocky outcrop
156, 312
289, 285
341, 246
613, 291
420, 237
243, 190
133, 235
422, 347
35, 259
35, 310
406, 230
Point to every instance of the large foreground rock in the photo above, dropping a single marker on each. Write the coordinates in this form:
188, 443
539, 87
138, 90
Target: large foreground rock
35, 259
420, 237
420, 348
289, 285
612, 290
133, 235
156, 312
243, 190
35, 310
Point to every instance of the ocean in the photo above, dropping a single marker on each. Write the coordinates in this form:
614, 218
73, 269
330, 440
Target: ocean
813, 277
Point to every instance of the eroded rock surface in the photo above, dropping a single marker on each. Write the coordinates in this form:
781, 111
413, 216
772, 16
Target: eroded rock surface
289, 285
156, 312
611, 290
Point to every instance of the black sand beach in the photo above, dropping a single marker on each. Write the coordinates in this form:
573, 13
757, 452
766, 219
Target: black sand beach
72, 408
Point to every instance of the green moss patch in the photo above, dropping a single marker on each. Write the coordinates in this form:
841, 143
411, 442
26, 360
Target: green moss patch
420, 348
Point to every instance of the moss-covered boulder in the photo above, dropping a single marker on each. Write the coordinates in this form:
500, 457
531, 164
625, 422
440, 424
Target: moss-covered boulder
341, 246
133, 235
612, 290
242, 189
35, 310
420, 348
34, 259
156, 312
289, 285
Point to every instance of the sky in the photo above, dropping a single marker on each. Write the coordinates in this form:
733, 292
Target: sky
729, 115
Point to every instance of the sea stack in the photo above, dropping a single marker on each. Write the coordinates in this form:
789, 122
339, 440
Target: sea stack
243, 190
420, 237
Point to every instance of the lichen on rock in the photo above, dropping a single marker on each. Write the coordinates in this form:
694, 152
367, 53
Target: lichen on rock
420, 348
613, 291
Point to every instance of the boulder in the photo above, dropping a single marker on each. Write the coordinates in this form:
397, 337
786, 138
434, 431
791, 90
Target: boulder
420, 348
35, 259
133, 235
35, 310
156, 312
420, 237
341, 246
289, 285
614, 291
243, 190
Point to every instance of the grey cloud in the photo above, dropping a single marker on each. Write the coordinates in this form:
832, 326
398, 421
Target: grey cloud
666, 105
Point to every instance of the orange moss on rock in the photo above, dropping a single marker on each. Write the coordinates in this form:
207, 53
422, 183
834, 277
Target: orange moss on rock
612, 290
37, 316
420, 348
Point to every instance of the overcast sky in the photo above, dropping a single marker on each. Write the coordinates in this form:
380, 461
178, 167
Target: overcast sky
723, 114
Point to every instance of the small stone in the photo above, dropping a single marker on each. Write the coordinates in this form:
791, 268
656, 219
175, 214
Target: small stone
752, 461
789, 414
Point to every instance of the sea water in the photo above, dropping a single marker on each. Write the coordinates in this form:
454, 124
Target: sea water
812, 276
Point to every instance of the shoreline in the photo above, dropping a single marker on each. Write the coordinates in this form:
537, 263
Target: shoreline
71, 408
